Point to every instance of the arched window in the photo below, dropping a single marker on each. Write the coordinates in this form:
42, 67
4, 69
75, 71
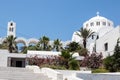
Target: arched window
98, 23
106, 46
104, 23
12, 29
92, 36
108, 24
11, 24
92, 24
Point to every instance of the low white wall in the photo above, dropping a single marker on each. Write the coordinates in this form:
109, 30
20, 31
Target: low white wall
35, 69
71, 74
52, 74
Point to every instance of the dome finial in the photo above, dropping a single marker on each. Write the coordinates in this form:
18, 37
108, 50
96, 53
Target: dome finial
97, 13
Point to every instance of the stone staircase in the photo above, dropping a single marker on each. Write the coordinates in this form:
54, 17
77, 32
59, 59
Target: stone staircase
13, 73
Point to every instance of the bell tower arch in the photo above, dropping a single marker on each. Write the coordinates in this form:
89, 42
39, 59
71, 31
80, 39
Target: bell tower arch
11, 30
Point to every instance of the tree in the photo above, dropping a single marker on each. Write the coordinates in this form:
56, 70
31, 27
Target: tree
57, 45
112, 63
73, 47
3, 45
93, 61
44, 43
68, 61
83, 52
24, 49
85, 34
12, 47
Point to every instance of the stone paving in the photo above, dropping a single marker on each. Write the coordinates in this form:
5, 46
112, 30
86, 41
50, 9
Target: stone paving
11, 73
87, 76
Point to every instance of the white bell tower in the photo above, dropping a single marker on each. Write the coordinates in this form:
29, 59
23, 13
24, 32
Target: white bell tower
11, 30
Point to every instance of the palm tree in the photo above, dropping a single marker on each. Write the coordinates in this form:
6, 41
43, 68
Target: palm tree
68, 61
44, 42
73, 47
57, 45
85, 34
24, 49
3, 45
11, 44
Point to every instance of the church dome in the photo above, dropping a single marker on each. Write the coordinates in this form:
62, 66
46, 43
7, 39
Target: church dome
97, 18
97, 22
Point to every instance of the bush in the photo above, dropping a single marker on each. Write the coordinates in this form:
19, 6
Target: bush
93, 61
100, 70
112, 63
54, 67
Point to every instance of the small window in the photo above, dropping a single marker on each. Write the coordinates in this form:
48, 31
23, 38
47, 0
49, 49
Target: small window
98, 23
104, 23
92, 24
108, 24
12, 29
97, 37
11, 24
9, 29
106, 46
92, 36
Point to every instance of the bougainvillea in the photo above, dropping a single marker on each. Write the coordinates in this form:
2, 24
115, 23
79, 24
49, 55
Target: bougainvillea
93, 61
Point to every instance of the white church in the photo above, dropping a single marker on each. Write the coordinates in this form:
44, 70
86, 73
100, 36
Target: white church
102, 41
105, 37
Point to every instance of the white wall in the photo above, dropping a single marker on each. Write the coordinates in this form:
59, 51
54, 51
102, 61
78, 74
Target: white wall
110, 38
3, 57
4, 54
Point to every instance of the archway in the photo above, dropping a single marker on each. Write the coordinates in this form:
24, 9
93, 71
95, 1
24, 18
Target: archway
21, 44
32, 42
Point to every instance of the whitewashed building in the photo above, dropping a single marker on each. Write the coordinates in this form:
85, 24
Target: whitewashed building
105, 37
19, 59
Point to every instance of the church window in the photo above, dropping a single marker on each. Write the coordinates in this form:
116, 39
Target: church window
9, 29
11, 24
106, 46
104, 23
12, 29
98, 23
92, 36
97, 37
108, 24
92, 24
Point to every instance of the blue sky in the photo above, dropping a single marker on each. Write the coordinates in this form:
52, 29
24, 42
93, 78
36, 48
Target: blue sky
53, 18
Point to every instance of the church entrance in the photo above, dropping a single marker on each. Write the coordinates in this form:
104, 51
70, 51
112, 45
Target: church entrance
16, 62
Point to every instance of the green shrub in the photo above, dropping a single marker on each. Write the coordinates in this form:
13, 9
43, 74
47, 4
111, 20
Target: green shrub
100, 70
54, 66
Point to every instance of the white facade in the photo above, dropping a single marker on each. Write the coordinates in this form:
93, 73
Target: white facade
12, 59
5, 57
11, 30
107, 42
105, 32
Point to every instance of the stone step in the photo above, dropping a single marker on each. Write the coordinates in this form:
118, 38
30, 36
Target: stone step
10, 73
15, 69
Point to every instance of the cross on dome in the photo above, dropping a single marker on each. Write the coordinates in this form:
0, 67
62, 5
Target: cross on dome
97, 13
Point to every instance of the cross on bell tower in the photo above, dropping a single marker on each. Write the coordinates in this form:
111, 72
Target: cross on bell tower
11, 30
